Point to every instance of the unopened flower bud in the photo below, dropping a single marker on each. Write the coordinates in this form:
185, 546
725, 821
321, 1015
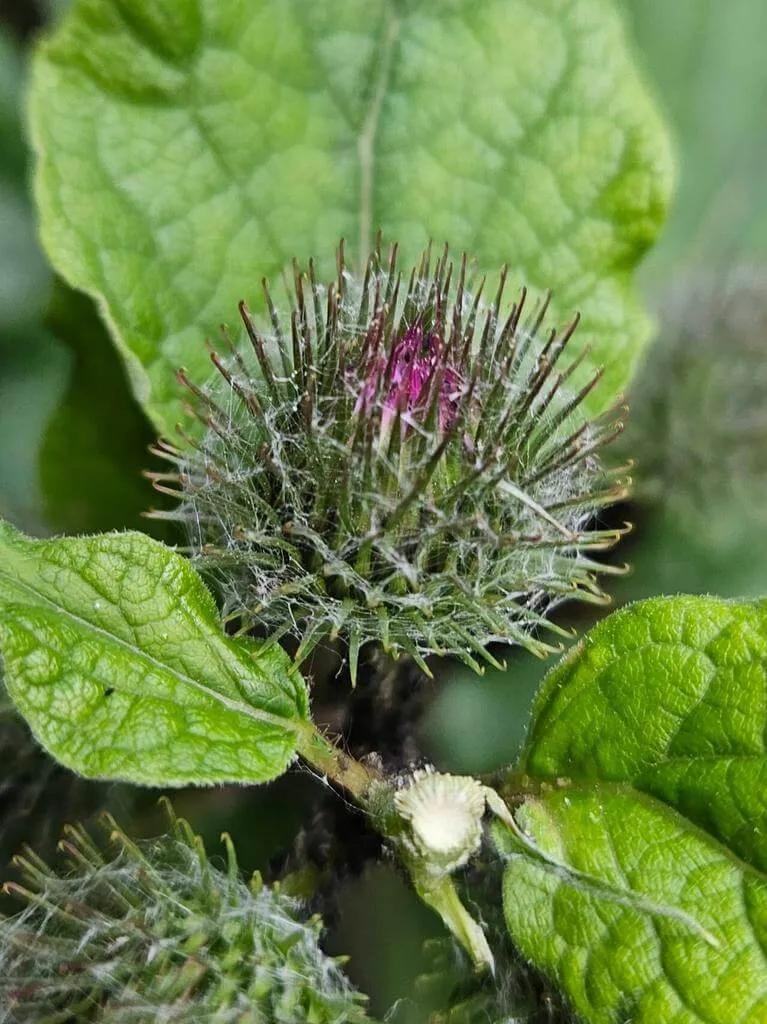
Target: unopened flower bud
444, 813
399, 465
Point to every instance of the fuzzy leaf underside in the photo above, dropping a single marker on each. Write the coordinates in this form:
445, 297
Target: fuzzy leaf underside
114, 654
186, 150
647, 753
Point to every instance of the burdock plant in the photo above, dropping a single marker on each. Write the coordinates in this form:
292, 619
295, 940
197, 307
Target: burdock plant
396, 460
398, 465
381, 470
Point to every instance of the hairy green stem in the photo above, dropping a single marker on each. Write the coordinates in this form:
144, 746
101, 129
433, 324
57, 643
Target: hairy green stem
342, 769
370, 791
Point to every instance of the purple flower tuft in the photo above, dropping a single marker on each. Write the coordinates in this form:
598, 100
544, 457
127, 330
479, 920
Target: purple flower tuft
406, 377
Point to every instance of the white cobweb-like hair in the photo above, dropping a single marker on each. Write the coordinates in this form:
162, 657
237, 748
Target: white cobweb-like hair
397, 463
157, 932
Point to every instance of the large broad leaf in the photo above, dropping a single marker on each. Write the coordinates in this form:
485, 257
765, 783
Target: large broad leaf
187, 149
638, 915
647, 756
671, 696
114, 654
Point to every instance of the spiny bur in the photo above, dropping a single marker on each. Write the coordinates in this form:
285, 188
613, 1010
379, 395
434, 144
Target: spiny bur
157, 933
396, 461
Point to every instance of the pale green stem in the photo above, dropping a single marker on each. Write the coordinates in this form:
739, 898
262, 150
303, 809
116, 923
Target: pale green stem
371, 792
342, 769
440, 894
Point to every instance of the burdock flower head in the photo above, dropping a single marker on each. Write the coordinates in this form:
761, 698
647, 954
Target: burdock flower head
396, 461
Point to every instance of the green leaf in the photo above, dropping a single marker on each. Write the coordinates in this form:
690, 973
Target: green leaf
670, 695
185, 150
647, 764
95, 445
675, 929
114, 654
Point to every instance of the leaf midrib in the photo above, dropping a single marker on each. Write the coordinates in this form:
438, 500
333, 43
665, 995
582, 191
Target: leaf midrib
642, 797
248, 710
368, 131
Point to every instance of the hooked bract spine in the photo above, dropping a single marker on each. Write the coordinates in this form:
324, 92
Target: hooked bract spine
398, 461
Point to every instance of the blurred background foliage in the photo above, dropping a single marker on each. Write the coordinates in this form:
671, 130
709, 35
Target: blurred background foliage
74, 441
